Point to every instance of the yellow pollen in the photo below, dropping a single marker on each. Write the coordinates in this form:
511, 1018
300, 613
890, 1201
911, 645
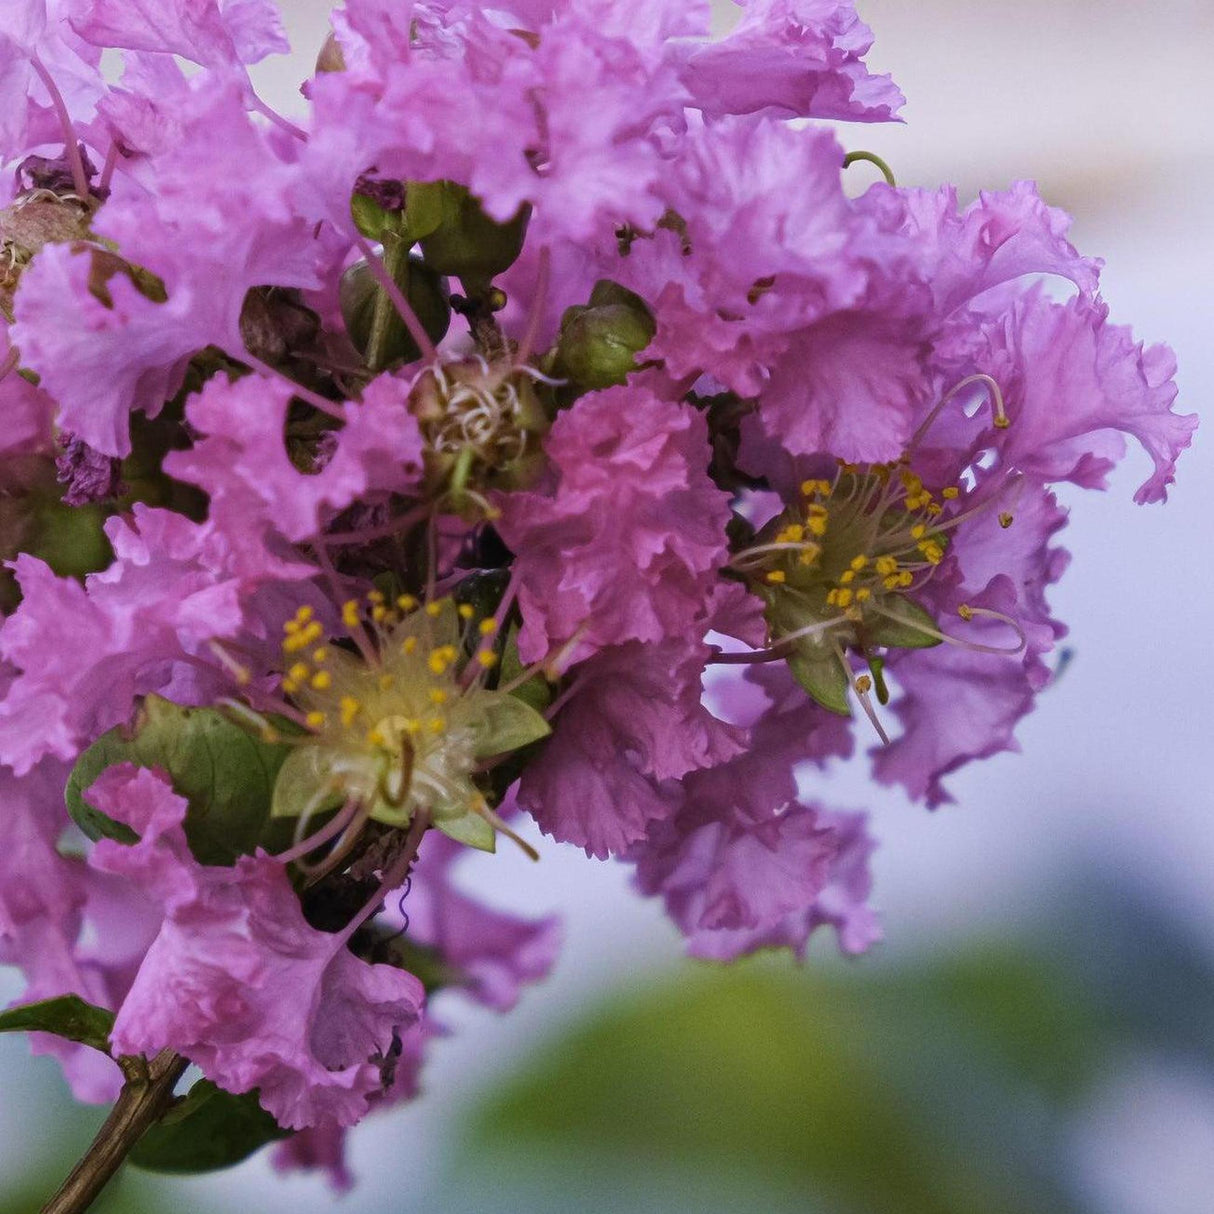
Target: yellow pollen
864, 684
965, 611
810, 488
349, 613
375, 596
487, 658
932, 551
406, 602
315, 720
438, 695
792, 534
1002, 421
859, 562
950, 492
434, 609
437, 663
437, 724
817, 526
408, 645
320, 655
487, 627
934, 510
375, 736
379, 613
847, 577
809, 554
412, 725
290, 686
322, 680
466, 611
349, 710
918, 531
1005, 520
776, 576
891, 582
863, 594
886, 565
385, 682
905, 578
291, 627
304, 614
298, 672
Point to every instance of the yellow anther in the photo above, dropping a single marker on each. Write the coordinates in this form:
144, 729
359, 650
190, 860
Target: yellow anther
304, 614
859, 562
816, 510
412, 725
290, 686
320, 655
349, 710
408, 645
864, 685
436, 724
311, 634
487, 627
810, 488
905, 578
847, 577
918, 531
487, 658
349, 613
863, 594
845, 597
817, 526
792, 534
315, 720
322, 680
406, 602
438, 695
291, 627
934, 510
375, 596
886, 565
950, 492
891, 582
375, 736
808, 554
385, 682
437, 663
379, 613
932, 551
1002, 421
776, 576
832, 598
434, 609
298, 672
1005, 520
965, 611
466, 611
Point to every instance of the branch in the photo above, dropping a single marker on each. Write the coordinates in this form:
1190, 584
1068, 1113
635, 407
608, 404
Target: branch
145, 1096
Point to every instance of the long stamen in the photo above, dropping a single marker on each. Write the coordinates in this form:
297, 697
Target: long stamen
972, 646
304, 846
395, 876
1002, 421
72, 149
297, 389
107, 169
283, 124
537, 307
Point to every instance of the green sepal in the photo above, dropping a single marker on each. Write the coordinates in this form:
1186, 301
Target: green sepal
469, 828
821, 673
225, 774
905, 633
536, 692
67, 1016
509, 724
303, 773
207, 1130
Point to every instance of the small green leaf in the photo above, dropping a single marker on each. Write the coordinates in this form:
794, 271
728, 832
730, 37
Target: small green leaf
914, 628
209, 1129
536, 691
468, 828
509, 724
821, 673
225, 774
304, 773
68, 1016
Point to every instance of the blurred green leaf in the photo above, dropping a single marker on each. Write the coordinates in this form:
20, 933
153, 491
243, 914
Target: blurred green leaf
209, 1129
67, 1016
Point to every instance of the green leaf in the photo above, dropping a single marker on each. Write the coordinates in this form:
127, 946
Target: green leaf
906, 632
821, 673
536, 691
209, 1129
68, 1016
468, 828
225, 774
509, 724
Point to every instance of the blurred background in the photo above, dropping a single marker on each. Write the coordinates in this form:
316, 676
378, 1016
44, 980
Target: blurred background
1037, 1032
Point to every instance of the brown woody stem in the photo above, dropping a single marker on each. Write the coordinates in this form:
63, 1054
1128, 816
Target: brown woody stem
145, 1096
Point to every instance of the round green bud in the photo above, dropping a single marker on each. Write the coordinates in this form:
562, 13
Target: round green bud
466, 242
598, 344
375, 328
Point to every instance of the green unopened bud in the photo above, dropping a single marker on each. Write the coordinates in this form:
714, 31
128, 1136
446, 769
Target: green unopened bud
372, 321
466, 242
599, 342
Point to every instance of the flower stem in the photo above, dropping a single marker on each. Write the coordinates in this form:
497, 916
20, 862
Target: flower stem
144, 1097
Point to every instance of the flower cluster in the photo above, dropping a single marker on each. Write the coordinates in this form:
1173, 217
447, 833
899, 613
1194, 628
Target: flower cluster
538, 435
